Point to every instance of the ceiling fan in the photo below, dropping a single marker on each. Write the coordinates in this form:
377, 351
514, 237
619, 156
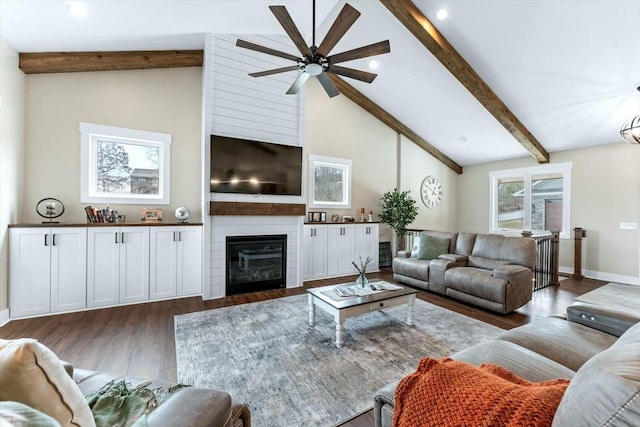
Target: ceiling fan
315, 60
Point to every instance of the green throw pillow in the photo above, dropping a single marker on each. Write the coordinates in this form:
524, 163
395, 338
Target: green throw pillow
430, 247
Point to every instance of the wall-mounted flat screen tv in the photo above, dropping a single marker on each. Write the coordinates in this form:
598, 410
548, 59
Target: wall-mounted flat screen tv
254, 167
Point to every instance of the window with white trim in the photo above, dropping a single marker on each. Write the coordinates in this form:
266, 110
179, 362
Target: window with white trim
121, 165
536, 199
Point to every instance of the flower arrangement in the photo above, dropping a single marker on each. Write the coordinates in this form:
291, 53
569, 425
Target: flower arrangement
363, 265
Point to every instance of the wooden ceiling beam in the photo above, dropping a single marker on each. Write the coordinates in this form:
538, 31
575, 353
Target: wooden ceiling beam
417, 23
72, 62
378, 112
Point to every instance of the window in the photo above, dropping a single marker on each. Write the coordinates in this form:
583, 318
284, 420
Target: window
534, 199
329, 182
124, 165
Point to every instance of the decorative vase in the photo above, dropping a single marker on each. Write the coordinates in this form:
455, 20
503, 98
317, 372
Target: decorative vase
362, 280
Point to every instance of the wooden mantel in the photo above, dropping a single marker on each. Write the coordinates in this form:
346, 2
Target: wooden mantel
262, 209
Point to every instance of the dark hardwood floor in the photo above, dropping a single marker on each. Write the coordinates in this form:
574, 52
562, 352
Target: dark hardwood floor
138, 340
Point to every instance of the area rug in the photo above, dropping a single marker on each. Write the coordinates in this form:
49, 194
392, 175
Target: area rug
614, 294
291, 374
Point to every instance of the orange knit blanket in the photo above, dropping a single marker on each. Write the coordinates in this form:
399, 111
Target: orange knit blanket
447, 393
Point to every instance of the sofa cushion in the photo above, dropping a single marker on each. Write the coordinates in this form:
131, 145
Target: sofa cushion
429, 247
517, 250
446, 392
606, 390
486, 263
521, 361
464, 243
31, 374
477, 282
568, 343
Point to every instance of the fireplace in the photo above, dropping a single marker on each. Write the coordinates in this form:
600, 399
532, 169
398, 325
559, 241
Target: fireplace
255, 263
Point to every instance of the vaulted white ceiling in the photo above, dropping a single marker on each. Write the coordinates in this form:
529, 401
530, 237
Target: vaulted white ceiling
567, 69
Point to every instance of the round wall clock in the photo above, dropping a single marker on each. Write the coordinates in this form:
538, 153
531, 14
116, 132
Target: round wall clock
431, 191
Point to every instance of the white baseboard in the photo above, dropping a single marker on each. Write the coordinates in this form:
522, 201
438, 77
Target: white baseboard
4, 317
599, 275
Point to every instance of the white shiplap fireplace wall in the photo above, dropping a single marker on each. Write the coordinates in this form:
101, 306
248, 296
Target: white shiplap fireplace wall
241, 106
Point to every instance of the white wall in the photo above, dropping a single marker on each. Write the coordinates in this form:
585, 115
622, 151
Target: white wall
416, 164
164, 100
337, 127
605, 191
12, 123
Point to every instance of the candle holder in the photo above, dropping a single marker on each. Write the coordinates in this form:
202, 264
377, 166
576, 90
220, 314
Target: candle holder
50, 208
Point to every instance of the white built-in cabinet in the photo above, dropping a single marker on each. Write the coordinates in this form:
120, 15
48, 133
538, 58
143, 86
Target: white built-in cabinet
118, 265
176, 262
367, 244
47, 270
330, 249
314, 253
340, 254
69, 268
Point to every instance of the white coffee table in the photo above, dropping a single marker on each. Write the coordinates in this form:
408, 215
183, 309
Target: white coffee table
343, 308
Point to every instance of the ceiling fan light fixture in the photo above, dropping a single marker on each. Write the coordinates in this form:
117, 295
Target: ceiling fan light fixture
630, 130
313, 69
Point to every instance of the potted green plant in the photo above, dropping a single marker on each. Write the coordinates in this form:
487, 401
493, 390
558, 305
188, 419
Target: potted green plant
398, 211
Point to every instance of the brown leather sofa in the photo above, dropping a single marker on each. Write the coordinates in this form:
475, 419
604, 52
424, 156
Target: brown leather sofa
490, 271
596, 347
189, 407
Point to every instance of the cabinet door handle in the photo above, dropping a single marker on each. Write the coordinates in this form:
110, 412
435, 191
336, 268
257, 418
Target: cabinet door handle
122, 237
46, 240
179, 236
116, 238
174, 236
53, 239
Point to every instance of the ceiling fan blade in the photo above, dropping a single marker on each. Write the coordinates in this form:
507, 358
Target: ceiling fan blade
341, 25
281, 14
328, 85
354, 74
274, 71
268, 51
297, 85
361, 52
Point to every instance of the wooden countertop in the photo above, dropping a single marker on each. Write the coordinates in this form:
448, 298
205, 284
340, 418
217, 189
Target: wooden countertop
108, 224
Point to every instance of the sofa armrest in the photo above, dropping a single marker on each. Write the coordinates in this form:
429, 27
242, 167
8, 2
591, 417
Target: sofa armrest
611, 320
383, 405
404, 254
514, 273
193, 407
455, 258
520, 280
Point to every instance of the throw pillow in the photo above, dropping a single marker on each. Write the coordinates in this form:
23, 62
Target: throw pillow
14, 414
30, 373
430, 247
414, 248
450, 393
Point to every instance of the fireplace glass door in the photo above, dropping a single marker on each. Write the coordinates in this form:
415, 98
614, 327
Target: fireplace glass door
255, 263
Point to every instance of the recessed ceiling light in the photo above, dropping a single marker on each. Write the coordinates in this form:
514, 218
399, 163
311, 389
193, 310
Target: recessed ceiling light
442, 14
77, 9
373, 64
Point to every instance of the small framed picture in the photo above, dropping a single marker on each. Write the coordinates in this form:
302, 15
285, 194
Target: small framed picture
317, 216
151, 215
